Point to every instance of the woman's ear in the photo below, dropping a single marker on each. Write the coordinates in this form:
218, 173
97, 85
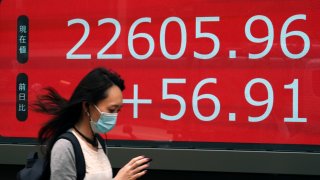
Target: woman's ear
85, 107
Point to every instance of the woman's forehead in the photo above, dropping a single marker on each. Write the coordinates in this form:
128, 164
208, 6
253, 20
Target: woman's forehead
114, 97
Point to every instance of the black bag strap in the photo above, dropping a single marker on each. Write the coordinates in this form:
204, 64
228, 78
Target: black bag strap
102, 142
31, 159
79, 158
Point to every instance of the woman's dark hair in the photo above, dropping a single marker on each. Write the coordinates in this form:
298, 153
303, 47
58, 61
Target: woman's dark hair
66, 113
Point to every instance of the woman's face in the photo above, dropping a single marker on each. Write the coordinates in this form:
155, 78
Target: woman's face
111, 104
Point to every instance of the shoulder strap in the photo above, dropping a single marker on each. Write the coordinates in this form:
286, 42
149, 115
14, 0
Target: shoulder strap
79, 158
102, 142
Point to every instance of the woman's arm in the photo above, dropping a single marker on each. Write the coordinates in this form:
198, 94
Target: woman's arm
62, 164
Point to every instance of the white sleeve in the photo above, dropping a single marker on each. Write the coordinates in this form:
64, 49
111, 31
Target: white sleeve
62, 165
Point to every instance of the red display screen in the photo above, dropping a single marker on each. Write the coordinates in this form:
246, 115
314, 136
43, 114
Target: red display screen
234, 71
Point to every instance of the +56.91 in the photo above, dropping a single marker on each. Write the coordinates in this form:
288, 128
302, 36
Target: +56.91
196, 97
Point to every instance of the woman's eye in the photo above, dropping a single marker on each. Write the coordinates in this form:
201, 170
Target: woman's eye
114, 110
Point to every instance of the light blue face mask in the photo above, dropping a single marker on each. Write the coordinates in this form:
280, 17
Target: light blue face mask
105, 123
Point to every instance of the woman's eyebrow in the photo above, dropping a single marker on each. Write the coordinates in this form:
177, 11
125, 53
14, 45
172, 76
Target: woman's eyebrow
116, 106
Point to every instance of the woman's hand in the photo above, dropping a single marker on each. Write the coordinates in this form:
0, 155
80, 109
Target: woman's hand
134, 169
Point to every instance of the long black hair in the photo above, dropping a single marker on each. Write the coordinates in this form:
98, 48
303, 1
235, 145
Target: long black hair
66, 113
